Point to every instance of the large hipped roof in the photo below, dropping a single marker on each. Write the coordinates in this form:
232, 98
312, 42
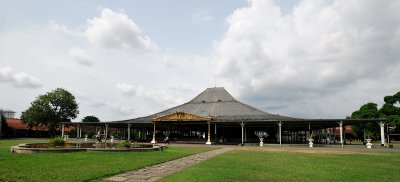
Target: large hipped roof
217, 102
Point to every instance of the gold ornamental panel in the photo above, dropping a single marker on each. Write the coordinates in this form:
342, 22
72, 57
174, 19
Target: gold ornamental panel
180, 115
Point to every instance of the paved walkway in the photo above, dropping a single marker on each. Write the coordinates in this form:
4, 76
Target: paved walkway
153, 173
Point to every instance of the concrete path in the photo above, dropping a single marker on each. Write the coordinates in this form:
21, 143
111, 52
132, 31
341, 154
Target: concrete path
153, 173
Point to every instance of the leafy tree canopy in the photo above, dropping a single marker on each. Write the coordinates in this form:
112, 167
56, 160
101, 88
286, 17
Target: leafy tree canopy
371, 129
389, 110
389, 99
90, 119
397, 96
3, 125
369, 110
50, 109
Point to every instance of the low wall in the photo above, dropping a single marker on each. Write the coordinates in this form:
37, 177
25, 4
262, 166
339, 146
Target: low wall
26, 148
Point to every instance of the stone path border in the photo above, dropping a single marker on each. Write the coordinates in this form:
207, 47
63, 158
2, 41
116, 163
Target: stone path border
158, 171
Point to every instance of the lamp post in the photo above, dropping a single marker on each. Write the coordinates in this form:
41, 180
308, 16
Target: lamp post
261, 135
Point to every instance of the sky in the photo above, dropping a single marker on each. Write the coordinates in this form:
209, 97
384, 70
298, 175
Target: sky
126, 59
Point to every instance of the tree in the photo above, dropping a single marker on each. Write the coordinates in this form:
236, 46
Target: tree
389, 110
50, 109
3, 125
30, 118
90, 119
367, 111
389, 99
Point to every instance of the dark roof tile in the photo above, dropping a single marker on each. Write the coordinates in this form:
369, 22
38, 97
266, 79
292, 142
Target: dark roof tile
219, 103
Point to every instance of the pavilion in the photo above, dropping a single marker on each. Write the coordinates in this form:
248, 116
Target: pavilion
215, 116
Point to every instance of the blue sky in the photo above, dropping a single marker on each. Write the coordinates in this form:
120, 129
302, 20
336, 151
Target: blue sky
125, 59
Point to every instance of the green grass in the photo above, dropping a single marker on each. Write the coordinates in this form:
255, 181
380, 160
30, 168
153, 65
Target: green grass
79, 166
256, 165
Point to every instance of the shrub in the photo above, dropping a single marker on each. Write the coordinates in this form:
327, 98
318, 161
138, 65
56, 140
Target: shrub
58, 141
125, 144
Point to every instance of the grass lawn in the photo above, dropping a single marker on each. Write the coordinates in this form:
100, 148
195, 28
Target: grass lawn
252, 164
79, 166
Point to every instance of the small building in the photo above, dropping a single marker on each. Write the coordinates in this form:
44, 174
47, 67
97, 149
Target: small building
16, 128
7, 113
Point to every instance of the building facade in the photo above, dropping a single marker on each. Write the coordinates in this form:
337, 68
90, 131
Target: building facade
215, 116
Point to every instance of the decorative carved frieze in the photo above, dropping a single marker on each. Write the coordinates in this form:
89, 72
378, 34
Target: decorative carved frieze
180, 115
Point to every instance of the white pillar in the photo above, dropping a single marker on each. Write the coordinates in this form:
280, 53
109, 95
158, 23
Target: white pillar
62, 130
77, 130
280, 133
154, 133
341, 132
80, 131
242, 125
209, 133
129, 131
106, 133
382, 124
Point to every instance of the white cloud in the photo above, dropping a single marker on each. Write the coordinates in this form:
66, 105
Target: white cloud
19, 79
168, 97
115, 30
322, 50
323, 60
201, 16
154, 72
129, 89
81, 56
54, 26
121, 109
6, 74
